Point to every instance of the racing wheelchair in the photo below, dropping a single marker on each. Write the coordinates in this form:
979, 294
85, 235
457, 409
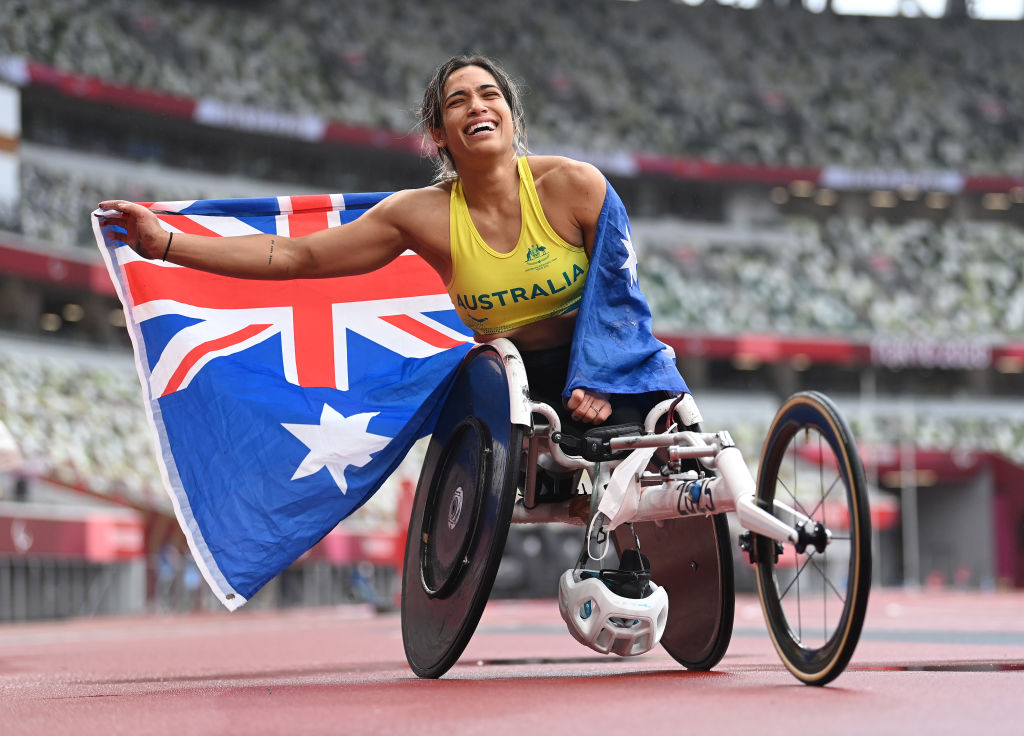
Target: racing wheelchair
660, 494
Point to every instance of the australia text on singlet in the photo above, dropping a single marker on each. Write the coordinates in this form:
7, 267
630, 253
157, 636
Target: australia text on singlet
541, 277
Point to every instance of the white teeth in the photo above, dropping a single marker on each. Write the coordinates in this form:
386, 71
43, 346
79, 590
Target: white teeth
481, 127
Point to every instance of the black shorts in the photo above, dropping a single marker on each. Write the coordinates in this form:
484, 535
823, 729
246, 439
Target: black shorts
547, 370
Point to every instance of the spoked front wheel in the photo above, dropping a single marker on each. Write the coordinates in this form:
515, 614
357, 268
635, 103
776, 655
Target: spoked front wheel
814, 594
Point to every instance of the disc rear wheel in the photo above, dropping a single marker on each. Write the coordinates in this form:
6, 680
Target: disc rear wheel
691, 558
460, 516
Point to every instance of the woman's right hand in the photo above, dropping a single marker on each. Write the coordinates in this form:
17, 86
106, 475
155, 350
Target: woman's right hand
143, 232
589, 406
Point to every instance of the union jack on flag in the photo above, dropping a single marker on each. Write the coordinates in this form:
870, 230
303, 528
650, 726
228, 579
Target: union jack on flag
279, 407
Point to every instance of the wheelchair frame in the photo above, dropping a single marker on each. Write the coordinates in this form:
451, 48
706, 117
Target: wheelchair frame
662, 498
723, 484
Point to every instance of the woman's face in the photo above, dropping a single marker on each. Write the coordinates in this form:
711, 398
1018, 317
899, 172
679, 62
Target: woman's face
476, 116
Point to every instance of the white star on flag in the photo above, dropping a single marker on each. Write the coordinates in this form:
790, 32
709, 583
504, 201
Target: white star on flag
336, 443
630, 262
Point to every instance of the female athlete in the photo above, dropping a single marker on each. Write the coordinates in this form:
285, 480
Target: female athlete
509, 234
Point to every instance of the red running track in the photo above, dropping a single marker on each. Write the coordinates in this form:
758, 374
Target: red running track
928, 662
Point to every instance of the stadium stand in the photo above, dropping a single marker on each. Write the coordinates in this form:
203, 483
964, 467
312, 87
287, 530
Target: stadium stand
722, 84
78, 419
765, 94
842, 276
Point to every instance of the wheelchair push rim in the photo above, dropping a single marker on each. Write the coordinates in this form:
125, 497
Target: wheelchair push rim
814, 601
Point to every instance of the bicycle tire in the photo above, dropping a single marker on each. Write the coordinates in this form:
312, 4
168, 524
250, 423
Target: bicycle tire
809, 439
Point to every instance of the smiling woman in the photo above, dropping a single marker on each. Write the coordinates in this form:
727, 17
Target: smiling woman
534, 251
511, 235
431, 114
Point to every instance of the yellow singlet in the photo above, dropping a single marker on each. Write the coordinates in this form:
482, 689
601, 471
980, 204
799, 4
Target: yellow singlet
541, 277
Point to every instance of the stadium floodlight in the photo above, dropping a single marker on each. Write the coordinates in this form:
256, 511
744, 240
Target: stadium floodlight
996, 9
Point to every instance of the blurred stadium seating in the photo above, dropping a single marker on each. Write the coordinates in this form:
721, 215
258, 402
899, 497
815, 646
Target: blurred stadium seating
842, 276
717, 83
653, 92
78, 415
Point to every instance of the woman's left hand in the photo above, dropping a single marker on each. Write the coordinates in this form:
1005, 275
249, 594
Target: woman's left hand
589, 406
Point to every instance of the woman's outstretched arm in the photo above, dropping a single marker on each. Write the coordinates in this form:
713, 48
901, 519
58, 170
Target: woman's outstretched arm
367, 243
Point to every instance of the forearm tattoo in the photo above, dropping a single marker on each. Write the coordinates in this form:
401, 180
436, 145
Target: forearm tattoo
270, 257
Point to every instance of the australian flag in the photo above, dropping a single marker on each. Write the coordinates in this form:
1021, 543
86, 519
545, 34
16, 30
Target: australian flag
280, 407
614, 350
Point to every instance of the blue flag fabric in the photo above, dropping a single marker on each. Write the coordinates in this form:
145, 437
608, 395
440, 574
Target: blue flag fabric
279, 408
614, 350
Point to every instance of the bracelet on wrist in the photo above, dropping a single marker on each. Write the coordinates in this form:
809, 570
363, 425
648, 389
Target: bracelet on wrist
168, 248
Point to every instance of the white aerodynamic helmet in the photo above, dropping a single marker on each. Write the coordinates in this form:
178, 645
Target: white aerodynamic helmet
607, 622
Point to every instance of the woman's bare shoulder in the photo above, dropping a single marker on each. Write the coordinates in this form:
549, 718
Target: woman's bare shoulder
410, 209
566, 173
420, 216
576, 186
429, 196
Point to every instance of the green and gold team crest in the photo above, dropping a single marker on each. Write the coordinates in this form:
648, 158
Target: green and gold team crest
537, 256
